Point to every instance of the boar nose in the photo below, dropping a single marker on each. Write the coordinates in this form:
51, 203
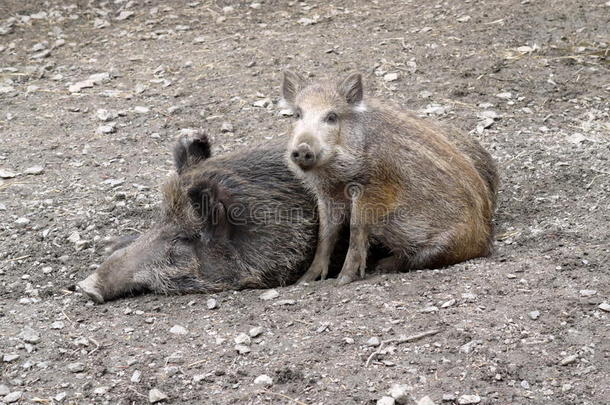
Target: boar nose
303, 156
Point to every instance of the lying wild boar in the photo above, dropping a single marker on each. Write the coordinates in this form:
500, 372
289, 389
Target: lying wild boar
240, 220
425, 193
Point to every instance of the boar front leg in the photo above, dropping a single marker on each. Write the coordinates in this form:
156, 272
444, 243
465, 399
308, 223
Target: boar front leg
328, 233
355, 261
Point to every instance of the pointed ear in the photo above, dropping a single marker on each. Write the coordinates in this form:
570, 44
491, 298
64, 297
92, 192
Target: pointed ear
190, 150
210, 202
351, 88
292, 83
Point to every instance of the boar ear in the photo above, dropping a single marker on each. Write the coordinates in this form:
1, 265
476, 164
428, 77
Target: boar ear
190, 150
210, 202
351, 88
292, 83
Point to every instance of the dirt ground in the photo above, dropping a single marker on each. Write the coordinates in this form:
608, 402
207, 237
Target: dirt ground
529, 79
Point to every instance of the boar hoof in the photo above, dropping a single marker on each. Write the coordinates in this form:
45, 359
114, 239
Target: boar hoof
89, 287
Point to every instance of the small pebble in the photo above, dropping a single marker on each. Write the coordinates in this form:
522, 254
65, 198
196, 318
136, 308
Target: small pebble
211, 303
448, 304
373, 342
141, 110
263, 379
242, 349
568, 360
587, 293
401, 393
386, 401
34, 170
269, 295
136, 377
242, 339
7, 358
4, 390
226, 127
178, 330
534, 315
425, 401
604, 306
469, 399
256, 331
76, 367
155, 395
13, 397
391, 77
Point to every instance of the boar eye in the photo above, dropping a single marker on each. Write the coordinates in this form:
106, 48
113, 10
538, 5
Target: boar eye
297, 114
331, 118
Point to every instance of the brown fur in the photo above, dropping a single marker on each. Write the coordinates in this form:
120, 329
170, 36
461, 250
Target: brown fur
433, 189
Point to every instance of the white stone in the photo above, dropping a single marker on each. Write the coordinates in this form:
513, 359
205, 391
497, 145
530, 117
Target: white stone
155, 395
263, 379
269, 295
469, 399
178, 330
391, 77
386, 401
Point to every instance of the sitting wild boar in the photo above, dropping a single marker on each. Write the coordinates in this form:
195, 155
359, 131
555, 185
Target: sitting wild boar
240, 220
425, 193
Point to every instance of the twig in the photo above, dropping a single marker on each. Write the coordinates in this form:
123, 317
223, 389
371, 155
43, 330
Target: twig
134, 390
97, 346
67, 317
400, 340
17, 258
286, 397
196, 363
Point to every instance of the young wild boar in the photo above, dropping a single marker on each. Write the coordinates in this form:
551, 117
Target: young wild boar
239, 220
425, 193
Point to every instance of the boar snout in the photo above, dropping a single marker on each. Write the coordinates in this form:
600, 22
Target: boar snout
89, 287
303, 156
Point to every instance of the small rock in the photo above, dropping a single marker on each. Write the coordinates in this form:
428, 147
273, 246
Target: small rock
242, 339
101, 390
263, 379
256, 331
386, 401
287, 112
42, 54
199, 40
525, 385
29, 335
566, 387
155, 395
78, 86
286, 302
2, 207
576, 138
464, 19
587, 293
123, 15
114, 182
263, 103
568, 360
604, 306
401, 393
448, 304
469, 399
373, 342
141, 109
99, 78
105, 115
448, 397
178, 330
76, 367
57, 325
34, 170
106, 129
136, 377
468, 347
74, 237
242, 349
4, 390
211, 303
199, 377
391, 77
534, 315
7, 358
23, 221
226, 127
13, 397
506, 96
60, 397
7, 174
429, 309
269, 295
425, 401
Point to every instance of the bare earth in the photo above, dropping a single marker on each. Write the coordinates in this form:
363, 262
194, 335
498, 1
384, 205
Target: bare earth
529, 79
